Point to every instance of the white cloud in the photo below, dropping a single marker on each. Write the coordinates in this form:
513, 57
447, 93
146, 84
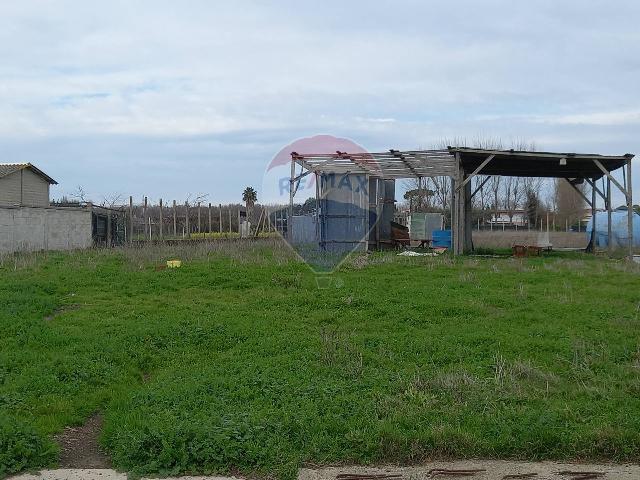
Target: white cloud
254, 76
629, 117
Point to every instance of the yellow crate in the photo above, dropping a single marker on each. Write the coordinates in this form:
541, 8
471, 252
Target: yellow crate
173, 263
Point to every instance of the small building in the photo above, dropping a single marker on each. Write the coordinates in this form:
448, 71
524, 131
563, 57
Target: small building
509, 218
23, 184
28, 221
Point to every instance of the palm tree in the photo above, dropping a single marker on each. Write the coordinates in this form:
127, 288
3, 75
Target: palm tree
249, 197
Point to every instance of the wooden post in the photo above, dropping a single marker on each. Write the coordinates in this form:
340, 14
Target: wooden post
220, 212
186, 216
319, 222
269, 224
130, 219
198, 217
592, 240
175, 220
609, 239
161, 221
144, 218
108, 229
209, 217
229, 211
468, 219
454, 231
547, 222
629, 210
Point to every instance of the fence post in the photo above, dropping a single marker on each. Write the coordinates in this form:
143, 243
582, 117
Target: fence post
130, 219
108, 228
144, 218
161, 220
198, 217
220, 225
229, 218
209, 217
175, 223
186, 208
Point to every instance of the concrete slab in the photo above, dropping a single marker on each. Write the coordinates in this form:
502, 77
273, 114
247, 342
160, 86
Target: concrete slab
468, 469
478, 470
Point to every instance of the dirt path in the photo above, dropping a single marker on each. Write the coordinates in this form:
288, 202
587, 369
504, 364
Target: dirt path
79, 447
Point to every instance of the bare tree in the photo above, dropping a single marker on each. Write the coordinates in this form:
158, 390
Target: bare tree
79, 194
441, 187
112, 200
495, 193
419, 194
513, 195
198, 198
533, 194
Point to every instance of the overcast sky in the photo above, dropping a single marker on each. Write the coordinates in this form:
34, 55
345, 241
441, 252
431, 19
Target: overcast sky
168, 98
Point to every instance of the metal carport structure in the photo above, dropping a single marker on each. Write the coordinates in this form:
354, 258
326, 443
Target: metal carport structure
461, 164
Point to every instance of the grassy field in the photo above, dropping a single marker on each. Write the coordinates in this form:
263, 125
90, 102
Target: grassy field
238, 362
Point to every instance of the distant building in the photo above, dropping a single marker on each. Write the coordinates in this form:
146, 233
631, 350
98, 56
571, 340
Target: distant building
22, 184
509, 218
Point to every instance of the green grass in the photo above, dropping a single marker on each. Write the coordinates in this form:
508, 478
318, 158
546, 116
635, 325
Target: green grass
238, 362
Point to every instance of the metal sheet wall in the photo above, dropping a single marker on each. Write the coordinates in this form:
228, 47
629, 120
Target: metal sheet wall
344, 212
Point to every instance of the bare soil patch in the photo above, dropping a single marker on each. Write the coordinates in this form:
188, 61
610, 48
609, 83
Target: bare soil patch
79, 445
59, 311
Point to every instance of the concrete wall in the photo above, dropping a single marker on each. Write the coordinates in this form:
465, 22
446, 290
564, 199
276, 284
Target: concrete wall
24, 188
44, 228
500, 239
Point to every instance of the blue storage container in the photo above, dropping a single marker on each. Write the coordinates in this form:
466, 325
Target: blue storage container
441, 238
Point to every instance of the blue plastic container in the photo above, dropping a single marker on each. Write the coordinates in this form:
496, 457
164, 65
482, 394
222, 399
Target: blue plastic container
441, 238
619, 232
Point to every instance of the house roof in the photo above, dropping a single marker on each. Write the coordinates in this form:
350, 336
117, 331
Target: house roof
9, 168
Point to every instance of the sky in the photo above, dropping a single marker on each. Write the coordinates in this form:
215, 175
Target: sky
178, 99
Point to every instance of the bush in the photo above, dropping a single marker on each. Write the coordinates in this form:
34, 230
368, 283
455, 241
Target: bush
22, 447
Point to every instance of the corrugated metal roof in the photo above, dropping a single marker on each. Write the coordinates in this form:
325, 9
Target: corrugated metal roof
9, 168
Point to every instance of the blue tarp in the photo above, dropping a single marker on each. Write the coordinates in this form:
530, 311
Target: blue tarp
619, 232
